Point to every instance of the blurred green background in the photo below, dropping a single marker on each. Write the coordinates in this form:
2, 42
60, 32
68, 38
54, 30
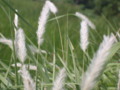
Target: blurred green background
104, 17
105, 14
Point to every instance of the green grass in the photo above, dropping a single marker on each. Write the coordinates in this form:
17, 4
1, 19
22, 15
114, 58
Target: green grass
68, 55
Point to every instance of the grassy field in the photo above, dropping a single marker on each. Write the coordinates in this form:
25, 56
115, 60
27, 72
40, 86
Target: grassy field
61, 42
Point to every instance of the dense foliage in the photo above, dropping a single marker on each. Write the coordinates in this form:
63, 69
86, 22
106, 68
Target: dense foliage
106, 7
61, 45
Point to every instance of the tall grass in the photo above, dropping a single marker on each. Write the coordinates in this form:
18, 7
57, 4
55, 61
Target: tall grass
60, 49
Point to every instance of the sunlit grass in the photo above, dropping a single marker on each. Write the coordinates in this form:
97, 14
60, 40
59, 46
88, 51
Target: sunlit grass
68, 54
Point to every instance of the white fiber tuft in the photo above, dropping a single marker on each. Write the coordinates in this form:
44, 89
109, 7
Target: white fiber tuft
84, 35
52, 7
16, 19
6, 42
27, 80
35, 50
59, 82
42, 22
49, 6
31, 67
98, 62
20, 45
84, 18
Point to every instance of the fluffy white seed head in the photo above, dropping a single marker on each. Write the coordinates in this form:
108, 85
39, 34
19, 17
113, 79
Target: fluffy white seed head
16, 21
59, 82
20, 47
84, 18
31, 67
6, 42
98, 62
47, 8
84, 36
35, 50
42, 23
52, 7
27, 80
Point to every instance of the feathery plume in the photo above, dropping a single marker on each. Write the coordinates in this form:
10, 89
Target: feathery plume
31, 67
84, 35
49, 6
98, 62
6, 42
27, 80
59, 82
20, 45
52, 7
83, 17
42, 22
34, 50
16, 21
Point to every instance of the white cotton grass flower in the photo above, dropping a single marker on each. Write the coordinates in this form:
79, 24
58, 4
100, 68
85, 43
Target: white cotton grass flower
15, 21
6, 42
59, 82
28, 82
83, 17
49, 6
52, 7
20, 47
31, 67
118, 86
84, 36
35, 50
98, 62
42, 23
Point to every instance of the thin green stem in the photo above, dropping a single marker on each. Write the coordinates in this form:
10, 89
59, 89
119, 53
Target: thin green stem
61, 41
37, 66
54, 56
14, 54
54, 62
